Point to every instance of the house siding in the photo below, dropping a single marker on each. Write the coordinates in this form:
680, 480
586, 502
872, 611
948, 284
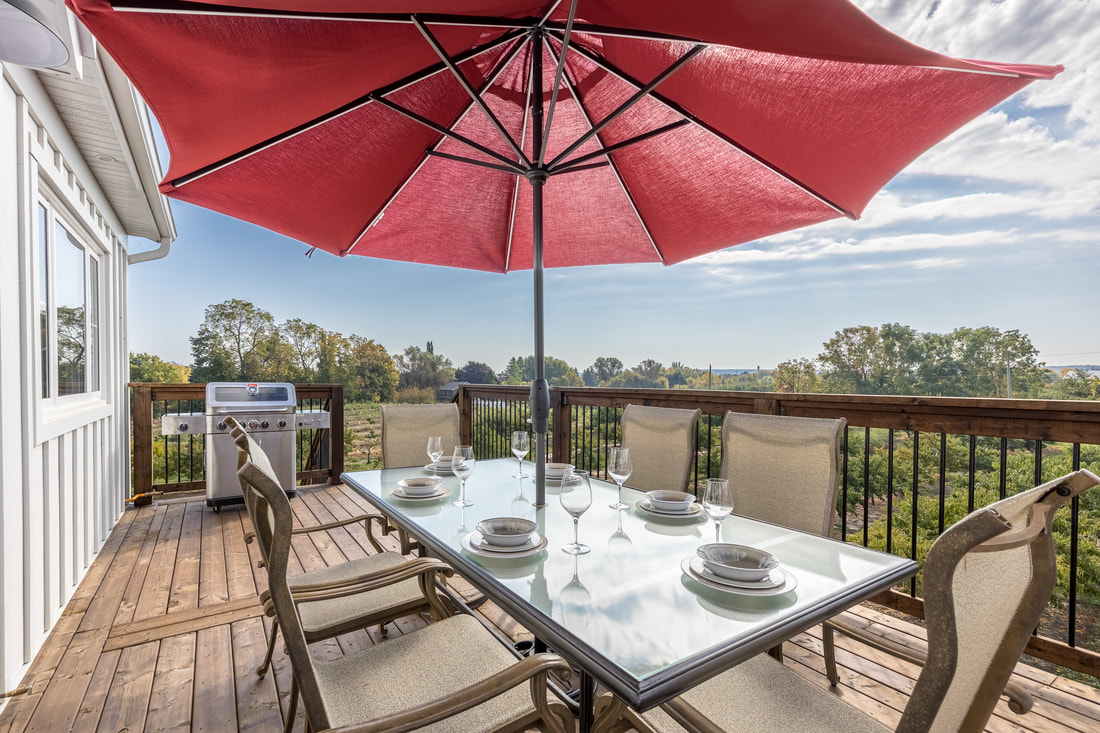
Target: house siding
64, 471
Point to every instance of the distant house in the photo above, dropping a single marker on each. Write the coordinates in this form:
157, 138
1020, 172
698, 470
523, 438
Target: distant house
447, 392
78, 187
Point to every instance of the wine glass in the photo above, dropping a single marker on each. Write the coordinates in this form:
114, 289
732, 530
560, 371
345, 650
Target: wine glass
619, 469
718, 502
521, 444
576, 497
435, 451
463, 464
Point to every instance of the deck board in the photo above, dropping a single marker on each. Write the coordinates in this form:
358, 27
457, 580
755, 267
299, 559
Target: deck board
166, 631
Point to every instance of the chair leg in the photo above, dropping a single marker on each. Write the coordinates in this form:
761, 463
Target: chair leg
382, 630
262, 669
776, 652
292, 706
829, 652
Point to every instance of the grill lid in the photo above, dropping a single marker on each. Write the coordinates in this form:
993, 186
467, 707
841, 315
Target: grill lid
249, 396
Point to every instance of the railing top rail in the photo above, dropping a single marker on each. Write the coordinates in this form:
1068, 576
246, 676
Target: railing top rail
1072, 421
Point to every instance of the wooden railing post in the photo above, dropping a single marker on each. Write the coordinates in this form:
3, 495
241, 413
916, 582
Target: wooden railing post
141, 403
465, 416
336, 431
562, 440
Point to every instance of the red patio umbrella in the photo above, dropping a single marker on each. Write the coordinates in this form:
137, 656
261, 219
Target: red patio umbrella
649, 131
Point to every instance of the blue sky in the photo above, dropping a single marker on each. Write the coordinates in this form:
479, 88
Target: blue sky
997, 226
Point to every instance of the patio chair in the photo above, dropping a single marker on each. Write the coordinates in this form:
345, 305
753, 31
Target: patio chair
406, 429
453, 670
326, 618
405, 433
662, 446
783, 470
987, 580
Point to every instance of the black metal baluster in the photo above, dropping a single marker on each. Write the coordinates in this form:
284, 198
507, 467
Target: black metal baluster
1003, 488
890, 490
844, 489
916, 496
943, 478
1038, 462
1074, 515
971, 470
866, 481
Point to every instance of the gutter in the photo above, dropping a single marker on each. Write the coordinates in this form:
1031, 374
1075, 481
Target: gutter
153, 254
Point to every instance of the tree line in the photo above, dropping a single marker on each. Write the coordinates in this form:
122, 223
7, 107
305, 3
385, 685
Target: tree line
238, 341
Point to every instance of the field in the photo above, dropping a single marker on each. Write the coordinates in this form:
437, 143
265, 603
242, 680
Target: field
362, 436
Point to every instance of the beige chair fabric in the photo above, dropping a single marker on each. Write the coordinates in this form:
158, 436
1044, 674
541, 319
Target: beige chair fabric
452, 675
987, 580
326, 618
406, 429
783, 470
662, 446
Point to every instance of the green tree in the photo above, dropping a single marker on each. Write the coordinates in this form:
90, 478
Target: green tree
149, 368
1072, 384
476, 372
848, 359
422, 369
521, 370
796, 376
233, 343
606, 368
303, 342
373, 375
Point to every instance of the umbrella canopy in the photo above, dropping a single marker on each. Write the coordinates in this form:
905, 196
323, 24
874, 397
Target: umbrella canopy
650, 131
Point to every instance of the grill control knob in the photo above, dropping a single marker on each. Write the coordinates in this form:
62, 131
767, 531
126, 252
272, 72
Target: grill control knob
265, 424
221, 426
253, 424
183, 427
282, 423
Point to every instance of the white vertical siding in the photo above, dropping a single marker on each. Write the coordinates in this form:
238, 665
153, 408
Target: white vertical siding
63, 474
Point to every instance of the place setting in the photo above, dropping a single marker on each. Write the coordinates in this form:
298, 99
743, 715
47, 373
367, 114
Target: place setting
504, 538
734, 568
670, 505
420, 488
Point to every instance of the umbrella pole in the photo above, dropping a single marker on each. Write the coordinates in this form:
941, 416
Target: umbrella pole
540, 390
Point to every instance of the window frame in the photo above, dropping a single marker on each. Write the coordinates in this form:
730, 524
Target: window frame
59, 413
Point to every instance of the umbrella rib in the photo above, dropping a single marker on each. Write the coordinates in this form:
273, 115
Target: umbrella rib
439, 50
615, 171
540, 155
512, 165
472, 161
716, 133
516, 184
338, 112
502, 64
634, 99
568, 166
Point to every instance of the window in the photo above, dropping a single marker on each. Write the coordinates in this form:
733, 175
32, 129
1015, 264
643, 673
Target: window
68, 309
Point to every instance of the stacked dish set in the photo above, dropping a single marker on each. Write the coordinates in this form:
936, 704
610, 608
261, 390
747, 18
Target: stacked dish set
441, 465
738, 569
420, 488
504, 537
670, 504
557, 471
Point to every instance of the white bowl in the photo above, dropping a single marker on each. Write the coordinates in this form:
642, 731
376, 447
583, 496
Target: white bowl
557, 470
671, 501
419, 485
506, 531
737, 562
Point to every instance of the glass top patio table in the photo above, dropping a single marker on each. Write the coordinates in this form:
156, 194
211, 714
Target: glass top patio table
625, 612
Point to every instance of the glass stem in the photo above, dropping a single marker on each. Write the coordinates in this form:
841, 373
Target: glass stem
576, 537
717, 528
620, 493
462, 492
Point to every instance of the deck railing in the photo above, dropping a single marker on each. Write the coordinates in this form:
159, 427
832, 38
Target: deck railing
952, 454
168, 463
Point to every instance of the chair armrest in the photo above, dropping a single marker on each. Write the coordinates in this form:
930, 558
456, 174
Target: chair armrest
426, 570
368, 520
532, 668
1019, 699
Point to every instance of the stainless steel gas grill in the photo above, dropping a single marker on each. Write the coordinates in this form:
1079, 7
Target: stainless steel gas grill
267, 411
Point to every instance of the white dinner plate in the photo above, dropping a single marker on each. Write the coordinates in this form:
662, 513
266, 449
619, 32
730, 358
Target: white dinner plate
476, 544
773, 579
693, 511
438, 469
693, 567
399, 493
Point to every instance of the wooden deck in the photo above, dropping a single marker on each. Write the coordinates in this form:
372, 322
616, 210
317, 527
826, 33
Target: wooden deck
165, 633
